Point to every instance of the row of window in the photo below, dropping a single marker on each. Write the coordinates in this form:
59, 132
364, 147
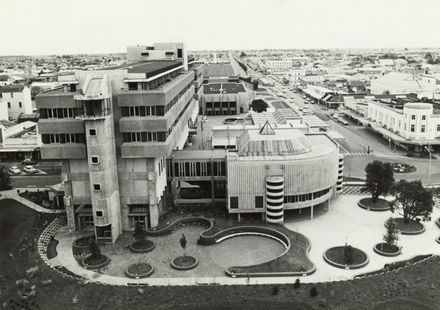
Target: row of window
20, 105
153, 84
146, 136
157, 110
305, 197
58, 113
63, 138
198, 169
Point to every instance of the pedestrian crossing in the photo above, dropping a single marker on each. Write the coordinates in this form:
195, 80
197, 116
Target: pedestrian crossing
371, 154
353, 190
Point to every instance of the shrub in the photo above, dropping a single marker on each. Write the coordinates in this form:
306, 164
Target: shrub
313, 291
297, 284
275, 290
94, 248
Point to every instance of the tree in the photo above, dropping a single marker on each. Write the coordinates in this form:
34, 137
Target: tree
139, 233
5, 180
35, 90
391, 236
259, 105
411, 200
94, 248
348, 254
183, 244
380, 177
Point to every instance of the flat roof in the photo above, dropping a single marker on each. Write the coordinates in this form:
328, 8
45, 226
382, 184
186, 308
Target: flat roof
199, 154
154, 68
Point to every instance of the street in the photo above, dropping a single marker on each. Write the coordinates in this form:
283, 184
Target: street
34, 181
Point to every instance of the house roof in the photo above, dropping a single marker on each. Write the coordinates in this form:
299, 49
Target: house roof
14, 88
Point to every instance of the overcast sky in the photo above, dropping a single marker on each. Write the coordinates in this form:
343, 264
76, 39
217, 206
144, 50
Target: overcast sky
100, 26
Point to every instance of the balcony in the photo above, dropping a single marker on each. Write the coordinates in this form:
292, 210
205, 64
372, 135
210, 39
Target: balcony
93, 109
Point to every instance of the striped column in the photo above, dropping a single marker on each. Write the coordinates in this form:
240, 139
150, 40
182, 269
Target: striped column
275, 199
340, 174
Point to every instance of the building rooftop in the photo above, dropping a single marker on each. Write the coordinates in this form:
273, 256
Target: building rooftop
210, 70
223, 88
154, 67
14, 88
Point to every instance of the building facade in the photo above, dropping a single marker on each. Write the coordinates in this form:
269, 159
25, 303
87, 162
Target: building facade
16, 99
113, 130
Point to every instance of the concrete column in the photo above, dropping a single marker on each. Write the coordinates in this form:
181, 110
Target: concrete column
238, 217
311, 212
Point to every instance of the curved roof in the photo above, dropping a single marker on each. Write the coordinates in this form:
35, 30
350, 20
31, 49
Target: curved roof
272, 142
418, 106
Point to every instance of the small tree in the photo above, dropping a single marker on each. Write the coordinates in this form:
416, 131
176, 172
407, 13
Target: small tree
391, 235
297, 283
183, 244
139, 233
5, 180
259, 105
313, 291
412, 200
379, 177
94, 248
348, 254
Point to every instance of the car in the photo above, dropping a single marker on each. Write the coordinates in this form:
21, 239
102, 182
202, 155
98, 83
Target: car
14, 170
29, 169
28, 161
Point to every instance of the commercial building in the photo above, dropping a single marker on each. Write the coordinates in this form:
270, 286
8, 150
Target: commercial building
423, 85
157, 51
113, 130
19, 141
15, 100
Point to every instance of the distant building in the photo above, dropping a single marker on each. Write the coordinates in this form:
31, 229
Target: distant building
19, 141
158, 51
401, 83
17, 100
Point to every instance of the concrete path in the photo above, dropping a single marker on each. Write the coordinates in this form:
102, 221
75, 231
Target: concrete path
344, 222
12, 194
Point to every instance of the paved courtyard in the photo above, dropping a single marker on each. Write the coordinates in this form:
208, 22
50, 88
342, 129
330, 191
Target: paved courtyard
344, 222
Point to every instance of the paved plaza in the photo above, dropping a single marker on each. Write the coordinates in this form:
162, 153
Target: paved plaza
344, 222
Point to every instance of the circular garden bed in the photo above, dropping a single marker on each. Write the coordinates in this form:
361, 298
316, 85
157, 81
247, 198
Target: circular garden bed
412, 227
91, 262
184, 262
386, 249
139, 271
337, 257
83, 242
142, 246
402, 168
379, 205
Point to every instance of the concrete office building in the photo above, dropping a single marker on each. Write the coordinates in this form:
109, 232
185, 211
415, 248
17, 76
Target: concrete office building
113, 130
16, 99
157, 51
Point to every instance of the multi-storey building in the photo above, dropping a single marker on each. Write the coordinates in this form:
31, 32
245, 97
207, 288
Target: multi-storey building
113, 130
157, 51
15, 100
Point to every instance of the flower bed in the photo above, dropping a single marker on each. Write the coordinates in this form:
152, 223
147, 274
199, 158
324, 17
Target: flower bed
413, 227
379, 205
184, 262
336, 257
144, 246
386, 249
139, 271
91, 262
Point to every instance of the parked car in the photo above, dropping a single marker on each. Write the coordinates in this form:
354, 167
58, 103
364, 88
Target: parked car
29, 169
29, 161
14, 170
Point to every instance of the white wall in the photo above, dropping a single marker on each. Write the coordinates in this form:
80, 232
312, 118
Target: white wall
17, 103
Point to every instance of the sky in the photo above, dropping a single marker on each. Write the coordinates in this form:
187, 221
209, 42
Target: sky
31, 27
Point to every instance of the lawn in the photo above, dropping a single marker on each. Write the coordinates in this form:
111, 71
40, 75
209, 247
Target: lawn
20, 227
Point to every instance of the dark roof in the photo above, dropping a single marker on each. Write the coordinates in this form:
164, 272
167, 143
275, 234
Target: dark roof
227, 88
154, 68
15, 88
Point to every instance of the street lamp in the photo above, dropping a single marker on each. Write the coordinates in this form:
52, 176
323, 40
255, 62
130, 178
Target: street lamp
429, 167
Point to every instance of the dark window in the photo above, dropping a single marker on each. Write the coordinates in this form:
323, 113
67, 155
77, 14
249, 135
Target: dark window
179, 53
9, 105
233, 202
72, 88
92, 132
98, 213
132, 85
259, 201
97, 187
94, 159
20, 105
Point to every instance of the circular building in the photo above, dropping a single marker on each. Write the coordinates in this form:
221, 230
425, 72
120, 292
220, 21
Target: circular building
278, 169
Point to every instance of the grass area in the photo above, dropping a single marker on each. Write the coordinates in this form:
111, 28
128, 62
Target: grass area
402, 304
94, 261
52, 249
338, 255
379, 205
142, 244
387, 248
20, 228
411, 226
